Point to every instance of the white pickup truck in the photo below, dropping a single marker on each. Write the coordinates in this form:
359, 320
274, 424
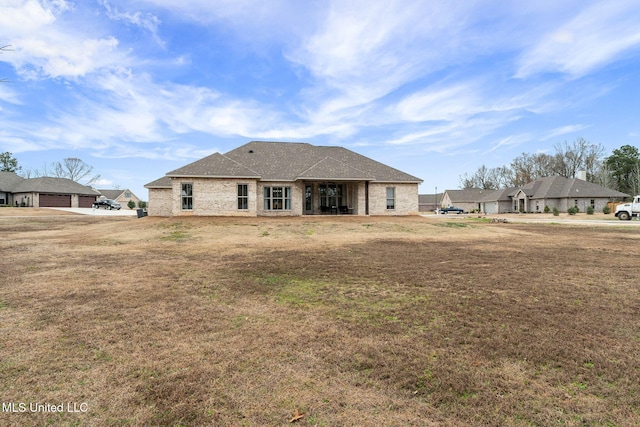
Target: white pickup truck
627, 211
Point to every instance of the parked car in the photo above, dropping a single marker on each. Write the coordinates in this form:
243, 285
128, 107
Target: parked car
452, 209
107, 204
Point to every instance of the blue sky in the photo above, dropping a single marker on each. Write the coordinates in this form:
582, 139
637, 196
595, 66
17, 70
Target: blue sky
137, 88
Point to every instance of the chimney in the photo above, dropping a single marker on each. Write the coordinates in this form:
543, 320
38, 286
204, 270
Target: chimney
582, 175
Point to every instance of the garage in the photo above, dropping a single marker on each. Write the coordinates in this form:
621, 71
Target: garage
55, 200
86, 201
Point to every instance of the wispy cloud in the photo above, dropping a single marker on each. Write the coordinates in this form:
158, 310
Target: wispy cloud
564, 130
46, 48
597, 35
144, 20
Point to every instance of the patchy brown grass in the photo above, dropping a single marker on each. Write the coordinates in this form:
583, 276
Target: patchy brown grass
351, 321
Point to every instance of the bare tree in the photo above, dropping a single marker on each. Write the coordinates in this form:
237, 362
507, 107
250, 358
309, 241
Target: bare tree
581, 155
484, 178
74, 169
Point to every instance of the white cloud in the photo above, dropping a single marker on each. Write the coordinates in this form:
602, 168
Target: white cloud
46, 47
564, 130
145, 20
592, 39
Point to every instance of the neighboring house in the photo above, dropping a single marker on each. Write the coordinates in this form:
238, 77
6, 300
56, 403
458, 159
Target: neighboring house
429, 202
553, 191
121, 196
284, 179
496, 201
562, 193
44, 192
466, 199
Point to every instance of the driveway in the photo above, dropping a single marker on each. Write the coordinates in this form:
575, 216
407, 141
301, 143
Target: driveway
580, 219
99, 212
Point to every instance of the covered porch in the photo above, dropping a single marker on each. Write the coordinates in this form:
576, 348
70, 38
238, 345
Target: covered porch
335, 198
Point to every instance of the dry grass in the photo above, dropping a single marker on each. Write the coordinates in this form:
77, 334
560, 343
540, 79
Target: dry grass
351, 321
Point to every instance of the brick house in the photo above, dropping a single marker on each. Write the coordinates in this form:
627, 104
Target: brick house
44, 192
284, 179
552, 191
121, 196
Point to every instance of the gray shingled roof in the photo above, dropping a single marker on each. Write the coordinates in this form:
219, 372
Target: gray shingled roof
164, 182
497, 195
291, 161
113, 193
553, 187
467, 195
8, 181
214, 166
48, 184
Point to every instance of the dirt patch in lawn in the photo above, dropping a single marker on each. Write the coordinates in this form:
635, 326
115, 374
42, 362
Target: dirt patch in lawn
350, 321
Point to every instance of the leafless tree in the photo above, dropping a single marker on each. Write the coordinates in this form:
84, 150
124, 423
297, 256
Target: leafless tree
74, 169
581, 155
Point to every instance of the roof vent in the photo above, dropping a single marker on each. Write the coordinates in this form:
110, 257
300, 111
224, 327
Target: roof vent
251, 151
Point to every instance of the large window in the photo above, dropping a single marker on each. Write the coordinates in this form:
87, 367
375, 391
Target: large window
330, 195
243, 196
391, 197
277, 198
187, 197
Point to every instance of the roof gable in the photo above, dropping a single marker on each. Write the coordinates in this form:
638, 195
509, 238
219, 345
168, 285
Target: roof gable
330, 168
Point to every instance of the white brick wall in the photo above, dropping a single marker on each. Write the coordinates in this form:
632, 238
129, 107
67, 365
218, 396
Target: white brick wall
160, 202
214, 197
297, 199
406, 199
218, 197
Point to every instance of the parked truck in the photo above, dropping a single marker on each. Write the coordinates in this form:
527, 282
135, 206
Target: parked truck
627, 211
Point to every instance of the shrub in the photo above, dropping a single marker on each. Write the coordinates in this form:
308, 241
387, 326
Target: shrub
142, 204
606, 210
573, 210
556, 212
131, 204
547, 209
590, 210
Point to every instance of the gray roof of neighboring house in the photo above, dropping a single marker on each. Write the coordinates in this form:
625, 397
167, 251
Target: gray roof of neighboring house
9, 180
558, 187
48, 184
424, 199
497, 195
290, 161
114, 194
468, 195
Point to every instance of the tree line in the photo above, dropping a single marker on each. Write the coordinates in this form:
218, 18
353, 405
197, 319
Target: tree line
618, 171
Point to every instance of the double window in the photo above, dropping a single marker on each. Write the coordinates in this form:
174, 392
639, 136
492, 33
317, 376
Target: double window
391, 198
187, 196
243, 197
331, 195
277, 198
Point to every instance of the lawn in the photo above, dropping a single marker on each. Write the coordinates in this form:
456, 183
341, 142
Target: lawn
348, 321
